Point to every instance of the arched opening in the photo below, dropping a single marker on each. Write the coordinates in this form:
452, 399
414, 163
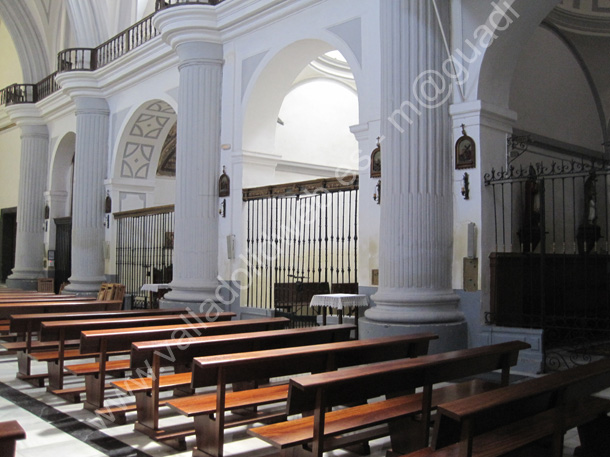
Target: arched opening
142, 174
296, 129
547, 198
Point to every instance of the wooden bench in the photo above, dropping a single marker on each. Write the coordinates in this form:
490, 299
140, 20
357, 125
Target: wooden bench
519, 416
62, 331
26, 327
60, 306
42, 297
209, 410
153, 355
10, 432
105, 342
403, 415
38, 306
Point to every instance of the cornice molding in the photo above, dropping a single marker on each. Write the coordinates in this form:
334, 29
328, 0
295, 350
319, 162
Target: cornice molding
583, 24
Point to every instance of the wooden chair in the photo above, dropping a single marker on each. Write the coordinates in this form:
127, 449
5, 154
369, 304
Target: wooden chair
104, 287
46, 285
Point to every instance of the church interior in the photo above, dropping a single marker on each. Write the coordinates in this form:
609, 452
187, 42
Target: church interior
375, 171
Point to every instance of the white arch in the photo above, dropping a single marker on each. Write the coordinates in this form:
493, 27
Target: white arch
274, 78
141, 140
496, 65
29, 44
60, 185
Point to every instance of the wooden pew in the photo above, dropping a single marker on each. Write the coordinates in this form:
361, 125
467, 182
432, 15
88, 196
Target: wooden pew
42, 297
520, 415
37, 306
105, 342
10, 432
26, 327
62, 331
8, 309
396, 414
153, 355
209, 410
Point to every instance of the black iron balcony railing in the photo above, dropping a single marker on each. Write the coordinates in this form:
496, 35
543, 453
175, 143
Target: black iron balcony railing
90, 59
162, 4
18, 93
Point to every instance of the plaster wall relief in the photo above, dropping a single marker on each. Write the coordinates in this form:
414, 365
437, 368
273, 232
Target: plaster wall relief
144, 141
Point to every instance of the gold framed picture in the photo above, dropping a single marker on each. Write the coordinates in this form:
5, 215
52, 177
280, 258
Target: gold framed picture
465, 153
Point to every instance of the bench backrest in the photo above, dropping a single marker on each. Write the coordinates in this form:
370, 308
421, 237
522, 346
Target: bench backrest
315, 358
21, 323
121, 339
71, 329
8, 309
400, 376
185, 350
42, 298
489, 410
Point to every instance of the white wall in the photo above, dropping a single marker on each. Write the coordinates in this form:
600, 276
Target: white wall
551, 95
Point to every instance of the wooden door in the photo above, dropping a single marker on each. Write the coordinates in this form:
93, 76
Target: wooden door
63, 250
8, 229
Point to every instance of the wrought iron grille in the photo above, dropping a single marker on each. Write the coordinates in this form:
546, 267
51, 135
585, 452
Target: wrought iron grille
145, 243
550, 265
302, 239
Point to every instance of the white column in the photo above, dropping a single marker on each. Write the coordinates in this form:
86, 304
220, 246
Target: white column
416, 206
191, 33
29, 250
92, 127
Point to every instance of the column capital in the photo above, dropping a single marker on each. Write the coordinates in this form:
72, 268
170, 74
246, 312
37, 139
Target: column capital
27, 115
192, 31
81, 84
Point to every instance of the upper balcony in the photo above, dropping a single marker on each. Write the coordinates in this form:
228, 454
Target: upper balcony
91, 59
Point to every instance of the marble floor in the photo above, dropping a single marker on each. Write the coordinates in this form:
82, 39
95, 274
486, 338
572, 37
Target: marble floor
54, 427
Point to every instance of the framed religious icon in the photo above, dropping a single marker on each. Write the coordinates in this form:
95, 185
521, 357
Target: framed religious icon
465, 152
224, 184
376, 161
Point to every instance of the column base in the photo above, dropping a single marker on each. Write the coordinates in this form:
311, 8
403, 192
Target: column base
451, 336
22, 283
85, 288
200, 306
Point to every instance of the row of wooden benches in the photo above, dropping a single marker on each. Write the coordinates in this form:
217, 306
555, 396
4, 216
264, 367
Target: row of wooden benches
254, 358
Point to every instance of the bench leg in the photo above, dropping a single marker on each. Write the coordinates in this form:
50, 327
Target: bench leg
594, 438
56, 375
24, 363
209, 436
8, 448
147, 411
406, 436
94, 391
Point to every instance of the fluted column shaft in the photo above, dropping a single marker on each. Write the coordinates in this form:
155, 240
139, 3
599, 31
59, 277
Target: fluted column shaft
29, 251
416, 235
90, 161
189, 30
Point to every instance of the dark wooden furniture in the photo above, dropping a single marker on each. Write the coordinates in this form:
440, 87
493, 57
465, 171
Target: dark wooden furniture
572, 287
26, 327
41, 297
210, 410
519, 416
158, 353
396, 414
62, 331
41, 306
106, 342
10, 432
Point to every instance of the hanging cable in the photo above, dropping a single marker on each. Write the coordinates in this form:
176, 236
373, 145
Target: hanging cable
440, 24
